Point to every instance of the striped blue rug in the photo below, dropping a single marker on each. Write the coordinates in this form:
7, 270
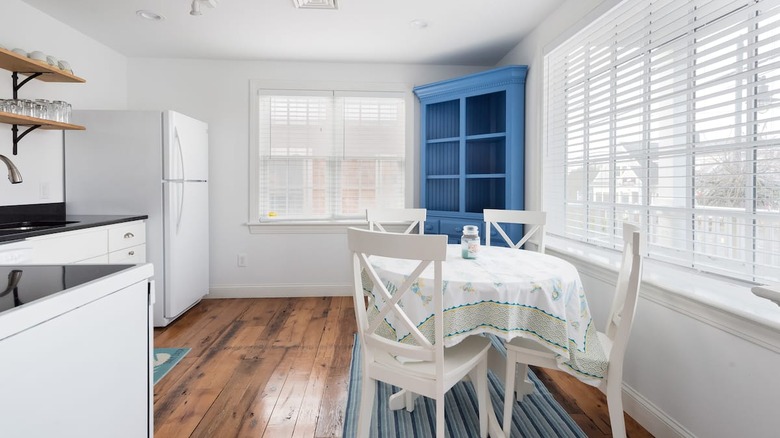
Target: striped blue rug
539, 415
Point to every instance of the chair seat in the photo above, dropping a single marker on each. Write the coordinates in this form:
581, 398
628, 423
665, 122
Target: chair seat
606, 343
458, 361
529, 347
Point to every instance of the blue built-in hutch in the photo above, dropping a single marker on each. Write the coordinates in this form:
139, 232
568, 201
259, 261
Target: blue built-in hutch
472, 149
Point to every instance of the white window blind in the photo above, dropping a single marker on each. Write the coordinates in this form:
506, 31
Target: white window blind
666, 114
329, 155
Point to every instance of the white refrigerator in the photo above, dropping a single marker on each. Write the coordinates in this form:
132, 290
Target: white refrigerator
153, 163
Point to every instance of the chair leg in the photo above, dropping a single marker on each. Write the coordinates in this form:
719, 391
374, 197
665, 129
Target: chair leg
367, 396
439, 417
615, 407
481, 386
509, 391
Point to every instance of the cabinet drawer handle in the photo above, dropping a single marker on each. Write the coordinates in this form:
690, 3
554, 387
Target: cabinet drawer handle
131, 253
129, 235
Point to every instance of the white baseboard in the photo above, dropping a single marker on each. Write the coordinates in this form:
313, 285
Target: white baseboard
279, 291
654, 420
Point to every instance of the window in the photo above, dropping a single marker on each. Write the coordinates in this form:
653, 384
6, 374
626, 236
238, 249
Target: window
327, 155
667, 114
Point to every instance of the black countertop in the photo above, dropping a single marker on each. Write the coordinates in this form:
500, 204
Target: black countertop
51, 213
77, 222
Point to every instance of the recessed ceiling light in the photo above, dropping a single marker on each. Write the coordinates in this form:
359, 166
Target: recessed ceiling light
418, 24
149, 15
315, 4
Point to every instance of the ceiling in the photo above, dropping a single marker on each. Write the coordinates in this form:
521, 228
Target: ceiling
458, 32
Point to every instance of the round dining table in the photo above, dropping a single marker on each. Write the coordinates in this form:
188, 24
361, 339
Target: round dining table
504, 292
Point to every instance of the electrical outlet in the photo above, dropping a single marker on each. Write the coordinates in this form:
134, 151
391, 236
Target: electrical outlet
242, 260
43, 189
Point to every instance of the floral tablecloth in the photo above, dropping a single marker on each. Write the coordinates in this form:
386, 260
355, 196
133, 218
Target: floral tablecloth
505, 292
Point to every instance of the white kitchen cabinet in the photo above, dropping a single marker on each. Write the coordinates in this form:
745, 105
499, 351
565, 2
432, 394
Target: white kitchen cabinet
78, 363
68, 247
125, 235
128, 256
122, 243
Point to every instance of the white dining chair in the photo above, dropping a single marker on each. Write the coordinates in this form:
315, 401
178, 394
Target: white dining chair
533, 222
378, 216
614, 340
428, 367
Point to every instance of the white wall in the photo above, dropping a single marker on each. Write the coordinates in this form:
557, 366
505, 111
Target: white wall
218, 92
684, 375
39, 156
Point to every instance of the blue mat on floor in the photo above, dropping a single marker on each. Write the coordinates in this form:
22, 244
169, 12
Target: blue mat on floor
539, 415
165, 359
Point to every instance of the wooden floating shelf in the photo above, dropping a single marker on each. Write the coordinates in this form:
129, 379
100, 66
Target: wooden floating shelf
13, 62
16, 119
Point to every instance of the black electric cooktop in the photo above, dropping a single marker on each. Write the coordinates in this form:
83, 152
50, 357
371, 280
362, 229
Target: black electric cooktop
20, 284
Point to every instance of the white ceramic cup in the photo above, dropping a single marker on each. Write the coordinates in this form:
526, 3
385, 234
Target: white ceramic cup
37, 55
20, 52
64, 65
52, 61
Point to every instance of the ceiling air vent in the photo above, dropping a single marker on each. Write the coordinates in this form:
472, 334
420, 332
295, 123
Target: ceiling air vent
315, 4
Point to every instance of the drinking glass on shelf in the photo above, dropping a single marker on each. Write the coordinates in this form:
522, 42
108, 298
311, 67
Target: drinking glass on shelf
28, 108
9, 106
60, 108
39, 110
44, 108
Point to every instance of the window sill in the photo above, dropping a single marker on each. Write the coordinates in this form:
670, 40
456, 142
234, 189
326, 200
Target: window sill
722, 303
304, 227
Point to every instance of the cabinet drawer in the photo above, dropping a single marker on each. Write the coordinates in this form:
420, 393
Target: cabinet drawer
133, 255
68, 247
431, 227
126, 235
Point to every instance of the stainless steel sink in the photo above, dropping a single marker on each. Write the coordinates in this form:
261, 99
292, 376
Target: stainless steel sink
33, 225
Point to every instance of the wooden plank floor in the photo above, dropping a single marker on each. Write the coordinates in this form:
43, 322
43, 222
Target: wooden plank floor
279, 367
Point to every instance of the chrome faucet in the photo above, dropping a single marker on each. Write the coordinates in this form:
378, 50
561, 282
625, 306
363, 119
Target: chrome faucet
13, 173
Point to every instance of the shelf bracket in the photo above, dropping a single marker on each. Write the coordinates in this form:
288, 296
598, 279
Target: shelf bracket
18, 85
18, 137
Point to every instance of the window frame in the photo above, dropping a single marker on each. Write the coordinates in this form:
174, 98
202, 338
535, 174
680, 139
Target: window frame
320, 226
545, 128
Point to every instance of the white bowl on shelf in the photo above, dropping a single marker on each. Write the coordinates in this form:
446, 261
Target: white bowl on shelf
37, 55
64, 65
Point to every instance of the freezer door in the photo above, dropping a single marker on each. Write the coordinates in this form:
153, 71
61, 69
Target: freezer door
186, 148
186, 245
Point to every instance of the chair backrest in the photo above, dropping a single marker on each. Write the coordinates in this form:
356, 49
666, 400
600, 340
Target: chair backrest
624, 303
370, 315
377, 216
533, 222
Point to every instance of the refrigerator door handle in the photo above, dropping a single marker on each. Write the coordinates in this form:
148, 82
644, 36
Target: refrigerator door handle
181, 208
181, 151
